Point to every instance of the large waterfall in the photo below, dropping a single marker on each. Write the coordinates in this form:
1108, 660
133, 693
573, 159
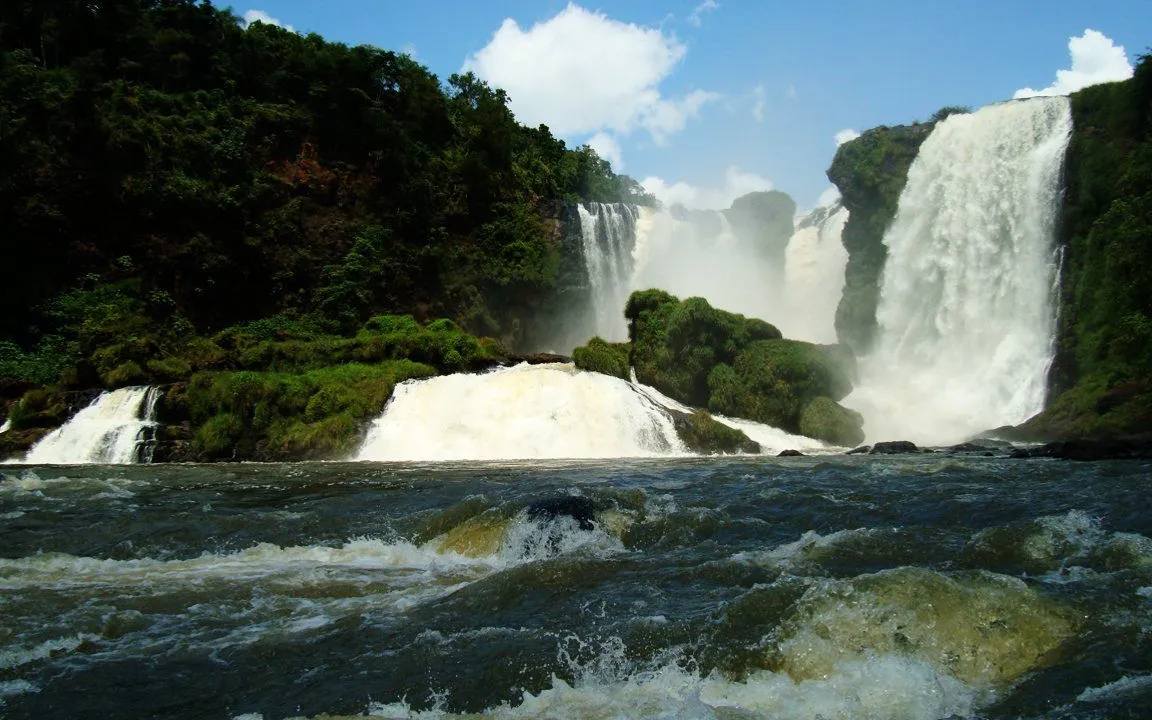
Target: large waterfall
609, 249
117, 428
966, 309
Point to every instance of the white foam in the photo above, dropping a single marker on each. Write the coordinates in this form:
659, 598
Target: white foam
110, 431
525, 412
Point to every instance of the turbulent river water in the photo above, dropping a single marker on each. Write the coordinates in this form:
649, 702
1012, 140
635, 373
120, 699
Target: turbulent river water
836, 587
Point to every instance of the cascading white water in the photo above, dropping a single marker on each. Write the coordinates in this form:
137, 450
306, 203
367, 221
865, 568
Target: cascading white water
608, 231
6, 426
814, 276
966, 308
114, 429
523, 412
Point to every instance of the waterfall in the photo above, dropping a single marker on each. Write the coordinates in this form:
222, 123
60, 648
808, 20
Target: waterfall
523, 412
814, 276
608, 232
6, 426
966, 308
118, 428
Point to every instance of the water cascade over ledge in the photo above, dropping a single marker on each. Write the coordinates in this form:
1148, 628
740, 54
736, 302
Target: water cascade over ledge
523, 412
117, 428
966, 310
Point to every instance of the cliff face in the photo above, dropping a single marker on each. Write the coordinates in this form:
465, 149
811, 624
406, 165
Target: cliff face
1101, 379
870, 173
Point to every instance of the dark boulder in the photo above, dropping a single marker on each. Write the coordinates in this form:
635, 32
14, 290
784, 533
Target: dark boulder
580, 509
895, 447
862, 450
1131, 448
790, 453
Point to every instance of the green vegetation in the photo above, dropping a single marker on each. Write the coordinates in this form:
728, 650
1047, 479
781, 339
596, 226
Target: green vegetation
168, 173
318, 414
703, 434
826, 420
870, 173
1101, 381
725, 362
601, 356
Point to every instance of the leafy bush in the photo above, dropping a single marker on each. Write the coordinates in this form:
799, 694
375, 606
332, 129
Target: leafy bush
601, 356
826, 420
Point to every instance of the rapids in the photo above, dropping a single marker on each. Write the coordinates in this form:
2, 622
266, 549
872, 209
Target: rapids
838, 587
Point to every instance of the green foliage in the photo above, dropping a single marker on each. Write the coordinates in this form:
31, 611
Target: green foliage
772, 381
172, 163
1103, 362
39, 367
703, 434
311, 415
676, 344
824, 419
947, 110
601, 356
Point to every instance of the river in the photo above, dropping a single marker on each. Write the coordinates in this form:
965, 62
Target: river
837, 587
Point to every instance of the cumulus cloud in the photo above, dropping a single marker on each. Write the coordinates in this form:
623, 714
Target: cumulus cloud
260, 16
582, 72
1095, 59
608, 148
695, 19
758, 96
736, 183
846, 135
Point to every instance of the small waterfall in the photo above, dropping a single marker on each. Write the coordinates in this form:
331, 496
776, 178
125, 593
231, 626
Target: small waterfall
522, 412
118, 428
6, 426
608, 231
814, 276
967, 304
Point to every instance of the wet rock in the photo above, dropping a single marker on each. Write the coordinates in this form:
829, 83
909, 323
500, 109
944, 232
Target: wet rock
1131, 448
790, 453
862, 450
894, 447
703, 434
579, 509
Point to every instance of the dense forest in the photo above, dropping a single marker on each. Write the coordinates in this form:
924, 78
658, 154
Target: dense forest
167, 172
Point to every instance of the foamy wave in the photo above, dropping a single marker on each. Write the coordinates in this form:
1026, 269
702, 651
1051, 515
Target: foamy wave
16, 656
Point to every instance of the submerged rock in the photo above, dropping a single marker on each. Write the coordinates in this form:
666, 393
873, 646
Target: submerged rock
790, 453
1133, 448
894, 447
580, 509
862, 450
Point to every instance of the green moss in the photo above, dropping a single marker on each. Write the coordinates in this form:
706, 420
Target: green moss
824, 419
601, 356
870, 173
218, 436
126, 373
772, 381
703, 434
1103, 366
169, 369
311, 415
675, 344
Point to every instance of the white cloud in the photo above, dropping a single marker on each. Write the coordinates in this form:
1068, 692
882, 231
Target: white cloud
608, 148
758, 107
1095, 59
694, 19
260, 16
846, 135
736, 183
582, 72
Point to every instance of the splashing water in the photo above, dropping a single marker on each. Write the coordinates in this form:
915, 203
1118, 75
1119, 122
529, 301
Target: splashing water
966, 308
117, 429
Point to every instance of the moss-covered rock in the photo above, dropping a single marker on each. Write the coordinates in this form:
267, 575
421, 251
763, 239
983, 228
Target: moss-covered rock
675, 345
771, 381
1101, 379
701, 433
318, 414
870, 172
826, 420
601, 356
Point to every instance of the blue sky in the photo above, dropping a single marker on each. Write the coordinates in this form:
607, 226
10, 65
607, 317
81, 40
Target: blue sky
726, 96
